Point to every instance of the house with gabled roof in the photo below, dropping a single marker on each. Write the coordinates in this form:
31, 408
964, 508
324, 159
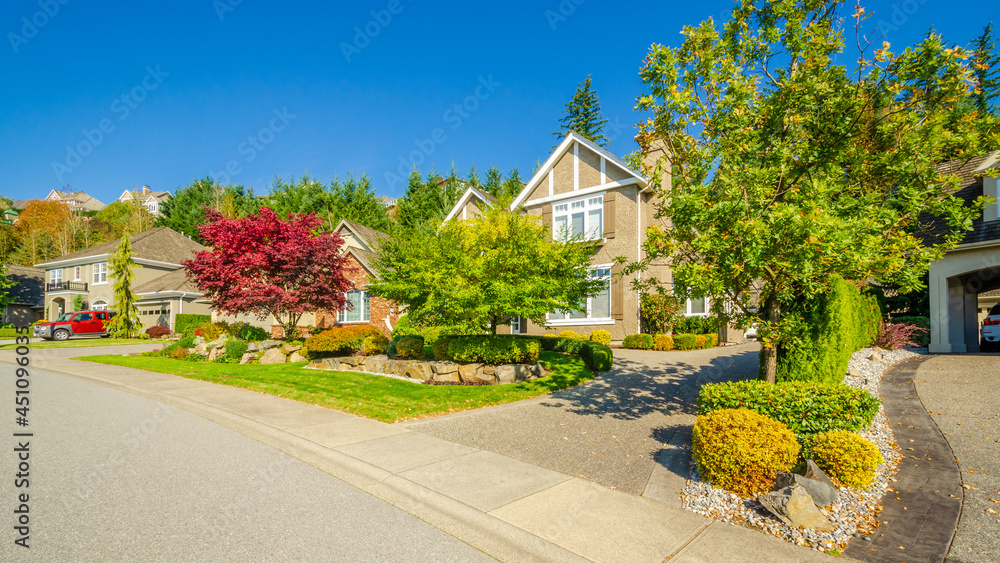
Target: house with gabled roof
153, 200
470, 204
77, 201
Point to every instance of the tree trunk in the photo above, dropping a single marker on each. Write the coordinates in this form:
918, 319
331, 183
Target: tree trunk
769, 348
493, 325
290, 325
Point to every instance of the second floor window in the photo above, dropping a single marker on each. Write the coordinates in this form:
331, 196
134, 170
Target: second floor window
76, 273
101, 272
55, 276
356, 309
582, 218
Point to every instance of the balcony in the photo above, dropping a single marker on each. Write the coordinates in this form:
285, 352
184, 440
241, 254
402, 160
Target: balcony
66, 286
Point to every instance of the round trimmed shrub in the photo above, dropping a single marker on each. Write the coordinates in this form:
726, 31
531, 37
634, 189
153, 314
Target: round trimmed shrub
638, 342
601, 336
741, 451
375, 345
410, 347
699, 341
157, 331
440, 348
663, 342
846, 457
235, 348
685, 341
550, 336
570, 334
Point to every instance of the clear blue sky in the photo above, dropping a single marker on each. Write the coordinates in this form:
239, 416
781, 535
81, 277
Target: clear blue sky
190, 88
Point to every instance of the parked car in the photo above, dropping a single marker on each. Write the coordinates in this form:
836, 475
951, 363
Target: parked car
77, 323
991, 330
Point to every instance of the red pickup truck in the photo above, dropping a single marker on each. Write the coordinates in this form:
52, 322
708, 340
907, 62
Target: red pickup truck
77, 323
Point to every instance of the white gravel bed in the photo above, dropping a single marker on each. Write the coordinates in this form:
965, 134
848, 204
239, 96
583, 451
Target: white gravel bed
855, 515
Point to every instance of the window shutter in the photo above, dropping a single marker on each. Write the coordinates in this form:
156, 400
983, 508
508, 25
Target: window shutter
609, 214
617, 293
547, 221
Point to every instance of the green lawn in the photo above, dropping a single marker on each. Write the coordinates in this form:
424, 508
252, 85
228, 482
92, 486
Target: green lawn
372, 396
38, 344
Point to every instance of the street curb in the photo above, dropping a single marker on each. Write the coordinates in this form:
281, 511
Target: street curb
486, 533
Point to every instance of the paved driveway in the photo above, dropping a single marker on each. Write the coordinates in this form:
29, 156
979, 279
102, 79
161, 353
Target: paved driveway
611, 430
962, 395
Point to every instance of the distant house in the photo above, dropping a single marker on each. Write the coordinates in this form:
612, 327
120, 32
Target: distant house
77, 201
81, 280
27, 295
470, 204
153, 200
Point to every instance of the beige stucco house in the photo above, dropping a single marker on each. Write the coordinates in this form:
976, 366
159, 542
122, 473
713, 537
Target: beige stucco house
82, 280
963, 283
77, 201
153, 200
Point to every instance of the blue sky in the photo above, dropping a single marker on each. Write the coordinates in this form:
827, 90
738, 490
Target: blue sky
244, 90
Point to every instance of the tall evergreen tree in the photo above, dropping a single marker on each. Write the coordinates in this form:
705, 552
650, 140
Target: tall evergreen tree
427, 202
583, 115
126, 324
493, 184
185, 212
986, 66
354, 199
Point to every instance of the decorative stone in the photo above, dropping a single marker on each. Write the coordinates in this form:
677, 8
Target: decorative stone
352, 360
793, 506
296, 357
273, 356
419, 370
821, 493
537, 370
216, 353
445, 368
523, 372
505, 374
449, 377
815, 473
199, 340
268, 344
468, 373
490, 370
252, 347
201, 349
376, 364
396, 367
247, 358
485, 376
875, 357
291, 348
853, 372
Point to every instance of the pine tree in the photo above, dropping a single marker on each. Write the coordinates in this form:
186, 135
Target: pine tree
493, 184
986, 66
583, 115
126, 324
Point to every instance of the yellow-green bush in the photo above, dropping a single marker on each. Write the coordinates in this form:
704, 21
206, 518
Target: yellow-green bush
569, 334
410, 347
663, 342
601, 336
685, 341
742, 451
699, 341
845, 456
550, 335
711, 340
375, 345
638, 342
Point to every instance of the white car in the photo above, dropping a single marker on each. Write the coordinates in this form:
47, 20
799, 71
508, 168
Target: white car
751, 332
991, 330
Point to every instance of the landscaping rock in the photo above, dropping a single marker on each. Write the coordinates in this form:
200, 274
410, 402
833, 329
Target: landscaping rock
247, 358
201, 348
291, 348
251, 347
445, 368
396, 367
220, 341
296, 357
273, 356
793, 506
487, 377
538, 371
352, 360
268, 344
505, 374
854, 372
216, 353
815, 473
376, 364
450, 377
821, 493
199, 340
419, 370
469, 373
875, 357
524, 372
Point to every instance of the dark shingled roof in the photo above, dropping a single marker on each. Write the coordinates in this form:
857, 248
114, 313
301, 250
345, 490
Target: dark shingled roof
970, 187
161, 244
29, 285
174, 281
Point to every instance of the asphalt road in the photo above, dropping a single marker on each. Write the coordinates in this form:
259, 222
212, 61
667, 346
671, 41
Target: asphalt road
114, 476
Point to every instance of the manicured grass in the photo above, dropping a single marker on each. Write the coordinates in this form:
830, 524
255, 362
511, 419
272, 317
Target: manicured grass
372, 396
39, 344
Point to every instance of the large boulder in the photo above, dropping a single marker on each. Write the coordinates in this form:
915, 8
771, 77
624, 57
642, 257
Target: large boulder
273, 356
447, 377
821, 493
793, 506
485, 375
506, 374
445, 368
252, 347
289, 348
376, 364
216, 353
419, 370
296, 357
468, 372
815, 473
247, 358
268, 344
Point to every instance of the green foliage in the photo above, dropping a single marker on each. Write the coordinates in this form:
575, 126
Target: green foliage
339, 341
807, 408
741, 451
185, 211
246, 331
126, 324
638, 342
494, 350
235, 348
213, 331
426, 203
597, 356
583, 115
504, 189
440, 348
480, 273
186, 341
410, 347
663, 342
832, 327
660, 313
404, 327
601, 336
353, 199
699, 341
5, 285
700, 324
375, 345
986, 67
685, 341
846, 457
919, 338
711, 340
186, 323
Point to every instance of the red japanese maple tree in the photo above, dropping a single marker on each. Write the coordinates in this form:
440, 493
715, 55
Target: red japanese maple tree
263, 265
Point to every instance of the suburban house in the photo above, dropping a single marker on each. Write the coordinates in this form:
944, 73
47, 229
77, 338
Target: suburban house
81, 280
584, 190
27, 295
77, 201
964, 283
153, 200
360, 245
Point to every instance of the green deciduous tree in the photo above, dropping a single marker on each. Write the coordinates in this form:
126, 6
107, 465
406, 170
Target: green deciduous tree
583, 115
789, 166
478, 274
125, 216
126, 323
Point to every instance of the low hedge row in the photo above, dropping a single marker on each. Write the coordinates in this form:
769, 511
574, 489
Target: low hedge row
597, 356
807, 408
493, 350
339, 341
186, 324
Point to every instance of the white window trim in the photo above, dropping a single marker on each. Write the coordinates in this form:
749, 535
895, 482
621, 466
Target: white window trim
587, 208
708, 308
77, 272
99, 305
345, 311
95, 272
589, 320
53, 278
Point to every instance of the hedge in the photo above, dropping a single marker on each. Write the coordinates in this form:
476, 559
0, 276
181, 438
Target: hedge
493, 350
638, 342
807, 408
685, 341
187, 324
410, 347
598, 357
835, 325
339, 341
702, 324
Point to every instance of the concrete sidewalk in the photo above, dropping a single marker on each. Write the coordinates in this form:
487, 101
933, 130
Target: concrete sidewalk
508, 508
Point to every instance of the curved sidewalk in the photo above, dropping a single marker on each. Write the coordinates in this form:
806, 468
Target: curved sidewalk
508, 508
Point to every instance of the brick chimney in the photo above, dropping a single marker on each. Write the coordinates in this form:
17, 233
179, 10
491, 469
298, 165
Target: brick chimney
145, 189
